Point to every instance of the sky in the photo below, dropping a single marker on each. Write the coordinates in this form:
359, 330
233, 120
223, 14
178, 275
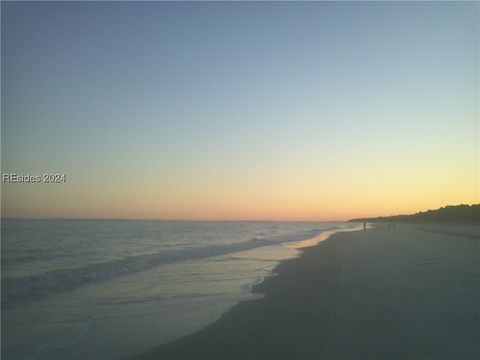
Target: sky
239, 110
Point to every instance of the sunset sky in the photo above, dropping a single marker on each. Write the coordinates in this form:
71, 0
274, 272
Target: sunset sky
274, 110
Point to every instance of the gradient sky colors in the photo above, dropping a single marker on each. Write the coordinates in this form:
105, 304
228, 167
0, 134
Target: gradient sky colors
210, 110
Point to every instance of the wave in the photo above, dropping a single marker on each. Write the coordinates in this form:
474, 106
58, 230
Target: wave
17, 291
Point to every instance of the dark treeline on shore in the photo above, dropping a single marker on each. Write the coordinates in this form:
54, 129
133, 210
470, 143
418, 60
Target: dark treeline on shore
459, 214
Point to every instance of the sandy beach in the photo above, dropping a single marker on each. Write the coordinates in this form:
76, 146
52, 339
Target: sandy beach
405, 293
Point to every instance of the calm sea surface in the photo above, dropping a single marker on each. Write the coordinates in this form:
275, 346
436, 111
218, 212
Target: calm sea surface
103, 289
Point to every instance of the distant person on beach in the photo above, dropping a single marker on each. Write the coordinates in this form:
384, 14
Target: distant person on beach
364, 225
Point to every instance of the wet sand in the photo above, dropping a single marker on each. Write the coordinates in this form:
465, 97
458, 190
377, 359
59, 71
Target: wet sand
407, 293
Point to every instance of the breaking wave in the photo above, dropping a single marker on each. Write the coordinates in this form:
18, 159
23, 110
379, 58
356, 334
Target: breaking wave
16, 291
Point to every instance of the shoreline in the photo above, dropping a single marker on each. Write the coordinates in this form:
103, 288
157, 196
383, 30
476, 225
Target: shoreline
257, 290
373, 294
300, 246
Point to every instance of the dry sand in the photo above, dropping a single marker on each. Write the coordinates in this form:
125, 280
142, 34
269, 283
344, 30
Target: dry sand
407, 293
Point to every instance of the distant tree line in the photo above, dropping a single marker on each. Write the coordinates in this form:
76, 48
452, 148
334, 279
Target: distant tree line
458, 214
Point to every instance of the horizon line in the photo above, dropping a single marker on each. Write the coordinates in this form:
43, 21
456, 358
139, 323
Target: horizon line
156, 219
223, 220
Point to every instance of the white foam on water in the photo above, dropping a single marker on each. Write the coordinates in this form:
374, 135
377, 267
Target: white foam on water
137, 285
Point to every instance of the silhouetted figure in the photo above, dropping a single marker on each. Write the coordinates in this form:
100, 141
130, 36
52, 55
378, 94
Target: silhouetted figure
364, 225
393, 225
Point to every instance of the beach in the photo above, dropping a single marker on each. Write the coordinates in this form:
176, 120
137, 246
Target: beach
409, 292
240, 180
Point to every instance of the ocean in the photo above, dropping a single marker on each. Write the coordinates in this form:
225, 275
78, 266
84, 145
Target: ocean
105, 289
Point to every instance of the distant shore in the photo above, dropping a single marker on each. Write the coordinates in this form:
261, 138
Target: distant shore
403, 293
451, 214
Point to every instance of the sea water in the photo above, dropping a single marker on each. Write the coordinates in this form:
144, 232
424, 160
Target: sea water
105, 289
